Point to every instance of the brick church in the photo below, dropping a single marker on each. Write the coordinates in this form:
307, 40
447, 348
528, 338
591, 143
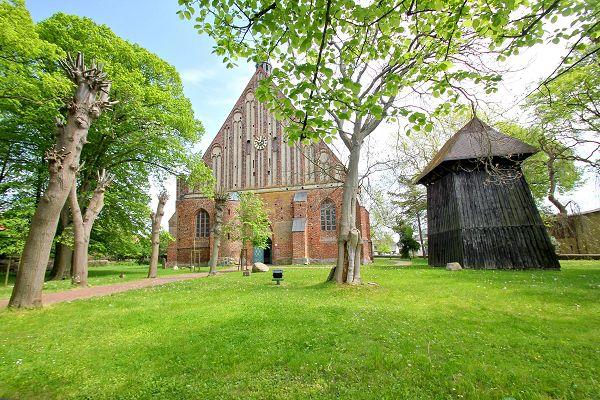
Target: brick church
301, 186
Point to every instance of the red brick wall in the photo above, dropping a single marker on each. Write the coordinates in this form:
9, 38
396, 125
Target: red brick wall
322, 245
314, 245
364, 224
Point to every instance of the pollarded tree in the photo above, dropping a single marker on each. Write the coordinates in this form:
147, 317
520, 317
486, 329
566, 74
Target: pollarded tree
150, 131
82, 226
201, 179
343, 67
220, 199
156, 218
90, 99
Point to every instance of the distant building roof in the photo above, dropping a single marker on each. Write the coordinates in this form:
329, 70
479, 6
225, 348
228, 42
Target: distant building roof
595, 210
477, 140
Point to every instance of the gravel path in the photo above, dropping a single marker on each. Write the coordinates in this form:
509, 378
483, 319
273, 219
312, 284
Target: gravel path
97, 291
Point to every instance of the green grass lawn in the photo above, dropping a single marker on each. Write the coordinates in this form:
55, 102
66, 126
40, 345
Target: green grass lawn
420, 333
100, 275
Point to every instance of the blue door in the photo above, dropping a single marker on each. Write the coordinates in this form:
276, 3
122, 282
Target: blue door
258, 255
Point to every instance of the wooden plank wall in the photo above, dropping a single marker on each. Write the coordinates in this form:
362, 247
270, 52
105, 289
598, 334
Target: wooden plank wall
443, 226
494, 225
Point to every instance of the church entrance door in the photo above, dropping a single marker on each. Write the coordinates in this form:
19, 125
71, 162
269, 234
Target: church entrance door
262, 255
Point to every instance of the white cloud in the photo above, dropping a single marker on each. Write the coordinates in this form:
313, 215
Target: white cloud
195, 76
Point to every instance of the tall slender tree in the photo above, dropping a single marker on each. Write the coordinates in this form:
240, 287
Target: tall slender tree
220, 204
90, 99
201, 179
82, 226
156, 218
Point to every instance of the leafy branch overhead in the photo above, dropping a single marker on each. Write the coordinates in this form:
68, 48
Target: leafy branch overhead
346, 60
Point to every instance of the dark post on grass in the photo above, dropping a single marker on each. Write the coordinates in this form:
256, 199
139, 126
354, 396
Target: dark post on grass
277, 275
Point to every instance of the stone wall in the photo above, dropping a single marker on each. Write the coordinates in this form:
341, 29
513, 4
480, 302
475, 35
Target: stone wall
579, 234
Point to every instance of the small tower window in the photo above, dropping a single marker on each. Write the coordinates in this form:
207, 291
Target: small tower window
202, 224
328, 222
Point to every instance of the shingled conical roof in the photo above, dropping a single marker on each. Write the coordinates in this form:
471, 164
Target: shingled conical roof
477, 140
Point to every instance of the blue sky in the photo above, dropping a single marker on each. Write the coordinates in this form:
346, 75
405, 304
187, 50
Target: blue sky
153, 24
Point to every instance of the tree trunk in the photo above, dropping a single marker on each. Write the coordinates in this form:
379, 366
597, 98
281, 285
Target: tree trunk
91, 97
80, 247
82, 227
357, 263
62, 253
243, 257
7, 271
349, 235
155, 238
220, 203
562, 209
420, 232
562, 220
62, 262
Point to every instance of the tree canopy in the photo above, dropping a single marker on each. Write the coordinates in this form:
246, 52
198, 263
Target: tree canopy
251, 223
31, 91
149, 133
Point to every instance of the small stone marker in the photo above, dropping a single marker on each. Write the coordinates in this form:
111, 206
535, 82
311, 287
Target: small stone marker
259, 267
453, 266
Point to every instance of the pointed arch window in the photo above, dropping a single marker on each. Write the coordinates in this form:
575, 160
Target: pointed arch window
328, 222
202, 224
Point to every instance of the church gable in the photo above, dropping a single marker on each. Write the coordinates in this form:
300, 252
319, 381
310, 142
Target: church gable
250, 152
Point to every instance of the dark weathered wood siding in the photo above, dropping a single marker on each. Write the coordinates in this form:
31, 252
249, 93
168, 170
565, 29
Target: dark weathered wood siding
444, 236
485, 225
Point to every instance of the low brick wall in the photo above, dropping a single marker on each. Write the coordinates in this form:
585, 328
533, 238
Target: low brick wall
578, 256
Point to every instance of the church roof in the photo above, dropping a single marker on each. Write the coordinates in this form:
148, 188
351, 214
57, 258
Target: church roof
477, 140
